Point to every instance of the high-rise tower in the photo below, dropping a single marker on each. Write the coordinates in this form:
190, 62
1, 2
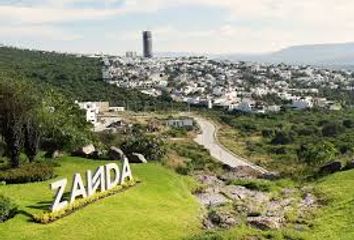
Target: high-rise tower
147, 42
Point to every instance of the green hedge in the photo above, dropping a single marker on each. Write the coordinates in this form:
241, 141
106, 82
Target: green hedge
8, 209
35, 172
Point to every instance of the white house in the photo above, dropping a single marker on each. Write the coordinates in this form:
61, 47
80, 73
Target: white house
247, 105
92, 110
302, 103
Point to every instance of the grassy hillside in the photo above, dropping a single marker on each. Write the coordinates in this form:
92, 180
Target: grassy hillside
336, 220
161, 207
77, 77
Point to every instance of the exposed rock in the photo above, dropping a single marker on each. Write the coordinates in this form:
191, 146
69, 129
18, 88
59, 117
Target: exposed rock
242, 193
210, 180
288, 192
53, 154
350, 165
212, 199
85, 151
137, 158
265, 223
309, 200
240, 172
271, 175
331, 167
222, 219
115, 153
96, 155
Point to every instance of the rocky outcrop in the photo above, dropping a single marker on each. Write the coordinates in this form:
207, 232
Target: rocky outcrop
350, 165
137, 158
265, 223
53, 154
85, 151
212, 199
97, 154
271, 175
221, 219
115, 153
331, 167
240, 172
230, 204
241, 193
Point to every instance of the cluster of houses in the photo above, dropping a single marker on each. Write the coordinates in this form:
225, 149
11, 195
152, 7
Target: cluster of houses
100, 114
237, 86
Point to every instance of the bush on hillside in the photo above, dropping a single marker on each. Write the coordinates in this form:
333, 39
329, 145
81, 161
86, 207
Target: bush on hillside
35, 172
152, 147
282, 138
8, 209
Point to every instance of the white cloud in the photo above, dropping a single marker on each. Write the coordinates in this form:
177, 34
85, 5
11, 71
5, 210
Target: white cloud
275, 23
37, 32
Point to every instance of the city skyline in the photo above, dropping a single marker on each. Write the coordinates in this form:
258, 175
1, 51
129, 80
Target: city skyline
198, 26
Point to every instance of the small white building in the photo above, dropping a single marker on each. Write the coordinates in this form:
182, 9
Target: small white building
302, 103
92, 110
246, 105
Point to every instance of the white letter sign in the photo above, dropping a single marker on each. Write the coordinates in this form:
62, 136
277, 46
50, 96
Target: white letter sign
96, 181
109, 183
105, 178
78, 188
59, 186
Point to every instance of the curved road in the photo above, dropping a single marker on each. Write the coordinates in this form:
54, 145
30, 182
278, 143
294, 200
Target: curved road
209, 140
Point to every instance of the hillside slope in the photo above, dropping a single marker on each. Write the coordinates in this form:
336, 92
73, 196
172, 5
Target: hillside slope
336, 220
161, 207
341, 54
77, 77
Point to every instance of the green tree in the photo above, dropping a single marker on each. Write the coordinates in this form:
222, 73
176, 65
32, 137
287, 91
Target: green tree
152, 147
17, 102
317, 154
62, 123
32, 136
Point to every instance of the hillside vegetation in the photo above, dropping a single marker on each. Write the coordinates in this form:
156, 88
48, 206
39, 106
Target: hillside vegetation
291, 141
79, 78
160, 207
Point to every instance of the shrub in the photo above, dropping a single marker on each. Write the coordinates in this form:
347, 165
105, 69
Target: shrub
267, 133
282, 138
348, 123
8, 209
332, 129
28, 173
177, 132
152, 147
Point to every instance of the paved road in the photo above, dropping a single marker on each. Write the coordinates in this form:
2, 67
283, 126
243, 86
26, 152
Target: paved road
208, 139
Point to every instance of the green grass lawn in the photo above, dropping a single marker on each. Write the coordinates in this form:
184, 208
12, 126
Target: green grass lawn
161, 207
336, 220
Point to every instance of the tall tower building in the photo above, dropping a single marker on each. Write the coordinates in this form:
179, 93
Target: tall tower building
147, 42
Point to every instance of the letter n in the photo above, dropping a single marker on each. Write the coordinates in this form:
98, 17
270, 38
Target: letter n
95, 181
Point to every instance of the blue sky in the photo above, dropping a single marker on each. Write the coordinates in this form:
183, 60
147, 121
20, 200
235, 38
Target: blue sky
199, 26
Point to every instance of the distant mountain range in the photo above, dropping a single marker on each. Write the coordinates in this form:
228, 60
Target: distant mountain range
322, 55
